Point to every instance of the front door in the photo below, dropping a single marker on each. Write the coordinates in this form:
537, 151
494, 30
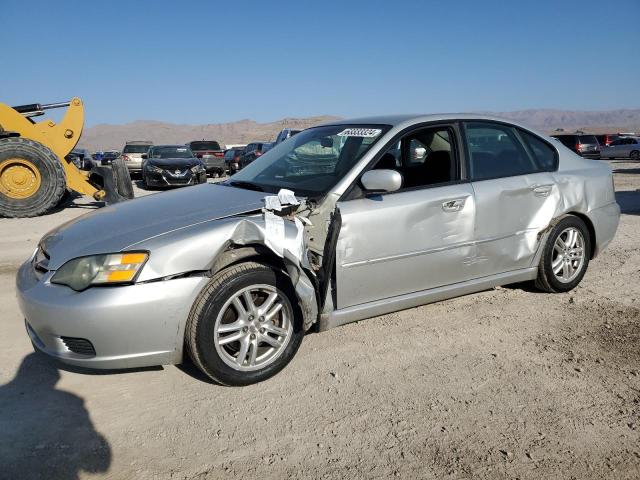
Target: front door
417, 238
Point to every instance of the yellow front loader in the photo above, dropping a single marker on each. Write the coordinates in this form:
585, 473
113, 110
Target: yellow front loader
35, 173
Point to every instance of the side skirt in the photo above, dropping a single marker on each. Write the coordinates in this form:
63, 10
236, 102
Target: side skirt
411, 300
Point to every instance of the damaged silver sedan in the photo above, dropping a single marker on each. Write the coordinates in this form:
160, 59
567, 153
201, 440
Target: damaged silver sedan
339, 223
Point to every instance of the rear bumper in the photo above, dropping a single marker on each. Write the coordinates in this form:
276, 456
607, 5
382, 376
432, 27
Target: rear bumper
134, 165
128, 326
214, 164
605, 222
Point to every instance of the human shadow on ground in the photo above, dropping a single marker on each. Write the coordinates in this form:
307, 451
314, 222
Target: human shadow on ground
45, 432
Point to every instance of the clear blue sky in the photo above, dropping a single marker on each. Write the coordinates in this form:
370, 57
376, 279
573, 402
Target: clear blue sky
209, 62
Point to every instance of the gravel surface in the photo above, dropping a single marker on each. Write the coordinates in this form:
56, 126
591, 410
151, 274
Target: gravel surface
507, 383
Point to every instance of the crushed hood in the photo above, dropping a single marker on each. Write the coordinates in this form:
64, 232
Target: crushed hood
115, 228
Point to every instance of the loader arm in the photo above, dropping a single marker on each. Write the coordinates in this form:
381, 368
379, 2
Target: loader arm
60, 138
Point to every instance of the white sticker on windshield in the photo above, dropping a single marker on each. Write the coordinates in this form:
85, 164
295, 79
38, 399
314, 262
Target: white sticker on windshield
181, 149
360, 132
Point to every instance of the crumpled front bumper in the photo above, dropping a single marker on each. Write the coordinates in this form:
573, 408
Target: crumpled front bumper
129, 326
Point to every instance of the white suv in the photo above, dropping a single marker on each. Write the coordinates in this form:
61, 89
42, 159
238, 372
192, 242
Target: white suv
132, 154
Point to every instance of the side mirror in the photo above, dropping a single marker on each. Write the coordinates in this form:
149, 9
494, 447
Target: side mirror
144, 156
380, 181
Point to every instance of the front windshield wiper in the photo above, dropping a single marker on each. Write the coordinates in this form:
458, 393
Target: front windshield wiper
245, 185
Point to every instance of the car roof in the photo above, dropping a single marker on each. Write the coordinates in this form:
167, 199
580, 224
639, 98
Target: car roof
403, 120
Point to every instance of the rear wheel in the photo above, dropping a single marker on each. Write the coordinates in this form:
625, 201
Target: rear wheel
635, 155
32, 179
245, 326
565, 257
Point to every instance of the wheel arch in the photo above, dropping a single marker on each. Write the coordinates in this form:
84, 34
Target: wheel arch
590, 228
303, 282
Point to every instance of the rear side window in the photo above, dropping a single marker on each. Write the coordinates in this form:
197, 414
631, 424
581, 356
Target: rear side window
544, 154
495, 151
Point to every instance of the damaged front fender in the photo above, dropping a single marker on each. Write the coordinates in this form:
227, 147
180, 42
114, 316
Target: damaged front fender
208, 247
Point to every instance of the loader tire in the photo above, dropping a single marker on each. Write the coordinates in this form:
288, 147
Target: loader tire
122, 178
32, 178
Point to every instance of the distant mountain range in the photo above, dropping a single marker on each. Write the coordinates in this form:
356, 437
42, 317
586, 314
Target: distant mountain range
113, 137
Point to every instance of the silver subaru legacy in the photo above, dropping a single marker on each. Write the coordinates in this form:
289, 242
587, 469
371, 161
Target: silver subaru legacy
341, 222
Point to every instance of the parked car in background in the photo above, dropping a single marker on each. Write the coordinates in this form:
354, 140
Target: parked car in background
109, 156
81, 158
172, 166
623, 147
606, 139
285, 134
232, 159
585, 145
211, 153
220, 272
132, 154
252, 151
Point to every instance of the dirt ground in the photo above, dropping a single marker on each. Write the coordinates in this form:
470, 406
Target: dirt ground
508, 383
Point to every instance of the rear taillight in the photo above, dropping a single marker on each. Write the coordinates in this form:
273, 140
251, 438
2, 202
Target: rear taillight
218, 154
578, 146
125, 158
258, 154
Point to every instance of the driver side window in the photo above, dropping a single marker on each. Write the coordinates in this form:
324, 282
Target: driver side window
423, 157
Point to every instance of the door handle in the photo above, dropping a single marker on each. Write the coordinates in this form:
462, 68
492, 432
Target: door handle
541, 190
453, 205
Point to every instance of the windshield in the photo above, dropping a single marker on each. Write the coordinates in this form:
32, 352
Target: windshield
313, 161
205, 146
135, 148
170, 152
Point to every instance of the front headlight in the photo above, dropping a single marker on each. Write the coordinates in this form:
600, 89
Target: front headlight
197, 169
113, 269
153, 168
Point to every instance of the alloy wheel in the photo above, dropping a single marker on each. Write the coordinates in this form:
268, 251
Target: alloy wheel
568, 255
253, 327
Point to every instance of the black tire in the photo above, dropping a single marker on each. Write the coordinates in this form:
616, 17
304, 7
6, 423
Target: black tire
199, 332
52, 178
635, 155
547, 280
122, 178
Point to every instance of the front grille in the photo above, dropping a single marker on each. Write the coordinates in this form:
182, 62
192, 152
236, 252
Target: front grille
81, 346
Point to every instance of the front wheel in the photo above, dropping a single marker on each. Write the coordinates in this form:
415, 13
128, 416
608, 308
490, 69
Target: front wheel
565, 257
245, 326
635, 155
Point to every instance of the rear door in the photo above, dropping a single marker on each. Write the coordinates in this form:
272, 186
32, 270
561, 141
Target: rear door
515, 194
414, 239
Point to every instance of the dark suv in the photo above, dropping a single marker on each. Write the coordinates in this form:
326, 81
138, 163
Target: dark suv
253, 151
585, 145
